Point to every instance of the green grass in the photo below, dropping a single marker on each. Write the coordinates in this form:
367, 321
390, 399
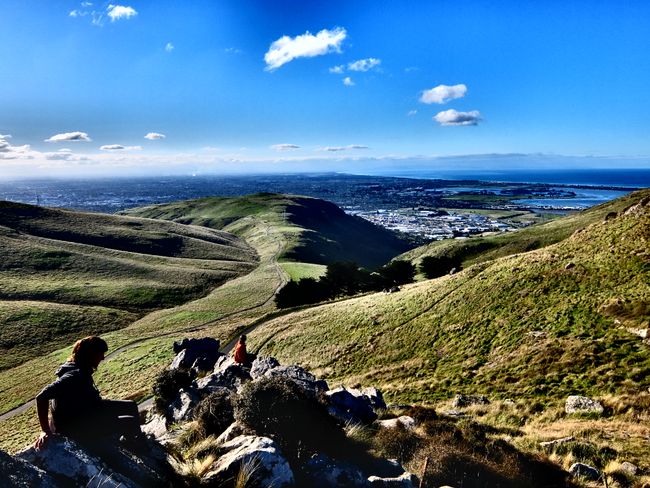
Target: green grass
526, 325
297, 271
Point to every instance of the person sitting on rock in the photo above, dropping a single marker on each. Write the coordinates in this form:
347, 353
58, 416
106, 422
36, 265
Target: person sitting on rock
78, 410
241, 356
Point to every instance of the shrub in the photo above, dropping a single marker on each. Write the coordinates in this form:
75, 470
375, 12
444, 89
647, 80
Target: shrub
435, 266
397, 442
167, 385
278, 408
398, 272
215, 413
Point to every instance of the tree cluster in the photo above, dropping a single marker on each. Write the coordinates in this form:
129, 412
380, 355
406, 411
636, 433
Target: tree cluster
435, 266
344, 278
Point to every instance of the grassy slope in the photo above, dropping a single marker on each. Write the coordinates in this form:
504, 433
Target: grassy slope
68, 274
549, 322
481, 249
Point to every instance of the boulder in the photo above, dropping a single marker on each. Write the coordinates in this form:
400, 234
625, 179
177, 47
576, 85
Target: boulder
557, 442
183, 406
629, 468
406, 421
350, 405
406, 480
234, 430
188, 351
259, 455
156, 427
323, 472
376, 398
66, 460
581, 404
232, 378
261, 365
18, 472
301, 377
461, 401
580, 470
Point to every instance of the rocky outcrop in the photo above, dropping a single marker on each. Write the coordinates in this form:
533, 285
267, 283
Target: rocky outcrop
402, 421
259, 457
581, 404
580, 470
261, 365
199, 355
18, 472
323, 472
406, 480
301, 377
350, 405
461, 401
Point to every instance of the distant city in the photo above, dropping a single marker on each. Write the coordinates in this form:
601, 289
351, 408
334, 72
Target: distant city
425, 209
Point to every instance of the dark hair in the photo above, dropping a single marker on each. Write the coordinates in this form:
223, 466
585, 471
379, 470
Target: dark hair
84, 349
242, 338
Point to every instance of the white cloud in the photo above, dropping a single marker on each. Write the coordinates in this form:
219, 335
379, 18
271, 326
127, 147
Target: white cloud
453, 117
443, 93
284, 147
232, 50
307, 45
75, 13
347, 81
343, 148
5, 136
411, 113
120, 147
152, 136
86, 4
116, 12
364, 64
337, 69
69, 136
169, 47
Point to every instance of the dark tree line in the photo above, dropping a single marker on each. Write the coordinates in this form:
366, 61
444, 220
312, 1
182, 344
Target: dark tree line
344, 278
435, 266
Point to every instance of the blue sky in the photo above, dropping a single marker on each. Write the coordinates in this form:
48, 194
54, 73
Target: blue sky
234, 86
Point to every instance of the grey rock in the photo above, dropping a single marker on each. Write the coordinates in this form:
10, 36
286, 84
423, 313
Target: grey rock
461, 401
301, 377
216, 381
18, 472
183, 406
234, 430
188, 351
261, 454
581, 404
323, 472
65, 459
405, 421
156, 427
557, 442
406, 480
581, 470
261, 365
629, 468
376, 398
350, 405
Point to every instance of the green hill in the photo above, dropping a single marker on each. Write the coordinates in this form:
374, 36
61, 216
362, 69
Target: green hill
550, 322
66, 274
322, 232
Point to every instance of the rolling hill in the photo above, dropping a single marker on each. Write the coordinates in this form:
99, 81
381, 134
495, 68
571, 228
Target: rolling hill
550, 322
321, 231
66, 274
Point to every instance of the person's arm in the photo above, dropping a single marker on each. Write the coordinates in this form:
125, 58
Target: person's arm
43, 411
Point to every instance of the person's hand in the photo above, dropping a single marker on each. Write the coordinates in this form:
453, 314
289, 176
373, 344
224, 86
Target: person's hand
42, 440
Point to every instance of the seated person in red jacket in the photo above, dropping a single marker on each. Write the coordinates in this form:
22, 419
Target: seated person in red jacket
78, 410
240, 355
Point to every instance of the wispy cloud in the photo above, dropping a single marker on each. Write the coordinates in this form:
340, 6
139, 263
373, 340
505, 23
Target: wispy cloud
119, 147
337, 69
232, 50
169, 47
453, 117
411, 113
347, 81
117, 12
343, 148
443, 93
153, 136
364, 64
70, 137
307, 45
284, 147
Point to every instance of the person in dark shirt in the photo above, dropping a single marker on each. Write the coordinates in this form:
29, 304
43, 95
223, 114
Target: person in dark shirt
78, 410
